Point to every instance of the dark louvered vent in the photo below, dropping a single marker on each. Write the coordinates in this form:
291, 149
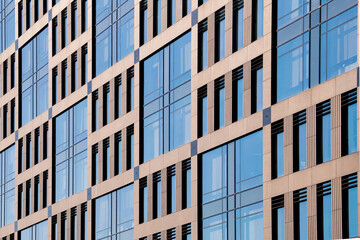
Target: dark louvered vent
238, 4
277, 202
157, 236
186, 164
143, 5
349, 98
219, 83
130, 130
118, 80
186, 229
202, 26
157, 176
143, 182
257, 63
300, 195
202, 92
237, 74
323, 108
349, 181
299, 118
220, 15
118, 136
171, 171
171, 233
277, 127
323, 189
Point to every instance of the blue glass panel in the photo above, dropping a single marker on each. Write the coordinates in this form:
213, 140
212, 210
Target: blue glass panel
352, 128
103, 216
103, 51
80, 172
240, 29
42, 95
280, 154
303, 221
259, 89
281, 224
180, 121
215, 227
353, 212
302, 147
61, 180
327, 225
221, 107
204, 50
239, 98
326, 138
260, 18
204, 115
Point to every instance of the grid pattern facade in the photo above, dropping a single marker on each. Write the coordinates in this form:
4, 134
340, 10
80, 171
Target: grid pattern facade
179, 119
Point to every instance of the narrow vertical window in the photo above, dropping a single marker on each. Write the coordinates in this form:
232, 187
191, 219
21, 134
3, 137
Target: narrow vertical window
73, 229
37, 10
84, 64
171, 7
63, 28
324, 219
238, 28
118, 96
201, 2
186, 184
349, 122
257, 19
257, 84
106, 104
63, 233
45, 6
37, 146
21, 14
95, 111
73, 20
350, 206
203, 45
45, 142
186, 231
28, 151
74, 82
20, 201
95, 165
118, 150
83, 221
156, 195
130, 89
186, 7
45, 188
219, 103
54, 227
54, 85
300, 214
130, 147
64, 79
12, 116
299, 142
238, 94
143, 200
157, 17
84, 11
37, 194
278, 218
143, 22
202, 111
219, 34
171, 190
277, 149
20, 156
323, 132
5, 77
106, 159
12, 72
28, 198
28, 14
5, 121
54, 36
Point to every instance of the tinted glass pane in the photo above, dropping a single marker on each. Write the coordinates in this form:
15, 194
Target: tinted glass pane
204, 115
303, 220
259, 89
281, 224
326, 138
327, 227
221, 107
302, 147
280, 154
353, 212
239, 97
352, 128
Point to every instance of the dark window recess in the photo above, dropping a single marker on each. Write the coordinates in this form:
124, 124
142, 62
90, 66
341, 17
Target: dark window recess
45, 141
37, 146
277, 163
256, 84
83, 225
186, 231
63, 28
73, 20
63, 225
157, 195
118, 96
45, 188
37, 194
237, 94
20, 201
106, 104
171, 189
28, 198
55, 85
20, 14
130, 89
95, 117
28, 151
300, 197
5, 77
143, 22
54, 36
20, 156
323, 111
277, 205
64, 79
117, 164
74, 71
143, 200
73, 223
298, 153
157, 236
349, 122
171, 233
219, 103
202, 45
95, 164
202, 120
54, 227
12, 72
186, 184
323, 195
106, 159
84, 65
130, 147
349, 206
5, 121
219, 34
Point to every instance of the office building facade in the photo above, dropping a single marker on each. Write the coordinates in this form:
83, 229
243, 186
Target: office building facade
179, 119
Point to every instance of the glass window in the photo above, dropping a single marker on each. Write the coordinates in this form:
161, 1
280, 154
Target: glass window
202, 114
186, 165
280, 224
238, 94
144, 21
74, 20
114, 39
258, 12
277, 149
106, 107
323, 133
157, 17
300, 141
143, 200
118, 152
157, 195
324, 211
71, 166
349, 122
118, 97
300, 214
34, 77
220, 107
203, 45
259, 89
171, 190
220, 35
114, 214
38, 231
130, 151
171, 12
7, 184
238, 25
228, 177
84, 15
64, 29
130, 90
166, 79
350, 206
7, 18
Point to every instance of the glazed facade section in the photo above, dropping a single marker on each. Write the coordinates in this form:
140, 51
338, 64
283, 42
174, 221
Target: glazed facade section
179, 119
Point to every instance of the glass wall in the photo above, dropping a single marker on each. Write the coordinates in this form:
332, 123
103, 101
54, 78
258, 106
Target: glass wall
34, 77
7, 23
114, 214
7, 186
71, 151
166, 98
323, 34
232, 191
35, 232
114, 32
